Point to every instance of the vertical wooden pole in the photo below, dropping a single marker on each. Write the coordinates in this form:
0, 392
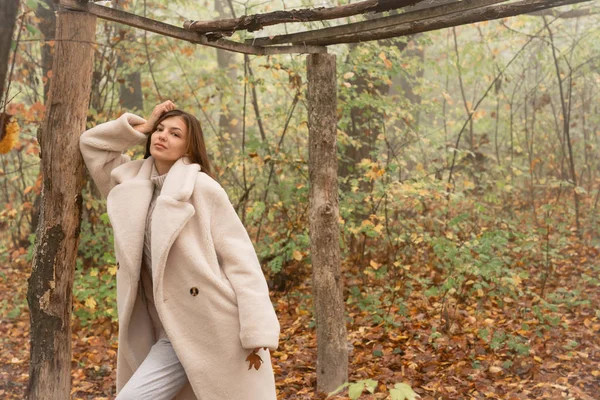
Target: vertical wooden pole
50, 286
332, 347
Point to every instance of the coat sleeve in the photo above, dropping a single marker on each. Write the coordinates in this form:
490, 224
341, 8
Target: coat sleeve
102, 147
259, 326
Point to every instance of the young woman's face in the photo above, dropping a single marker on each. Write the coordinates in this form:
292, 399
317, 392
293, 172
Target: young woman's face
168, 142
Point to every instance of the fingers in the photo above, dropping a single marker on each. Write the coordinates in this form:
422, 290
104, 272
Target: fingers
160, 109
166, 106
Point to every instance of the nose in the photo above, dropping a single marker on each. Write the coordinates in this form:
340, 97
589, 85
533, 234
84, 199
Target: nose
162, 135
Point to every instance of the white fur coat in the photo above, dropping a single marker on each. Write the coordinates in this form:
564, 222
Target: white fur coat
209, 290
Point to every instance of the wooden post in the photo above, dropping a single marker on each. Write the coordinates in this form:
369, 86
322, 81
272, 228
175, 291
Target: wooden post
49, 294
332, 347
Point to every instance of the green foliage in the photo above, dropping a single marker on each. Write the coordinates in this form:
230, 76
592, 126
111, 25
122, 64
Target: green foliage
403, 391
355, 389
12, 309
400, 391
94, 292
94, 287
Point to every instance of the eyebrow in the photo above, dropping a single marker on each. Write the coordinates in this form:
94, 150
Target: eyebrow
172, 128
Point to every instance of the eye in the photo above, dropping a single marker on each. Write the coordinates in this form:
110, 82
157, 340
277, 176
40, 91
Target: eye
175, 134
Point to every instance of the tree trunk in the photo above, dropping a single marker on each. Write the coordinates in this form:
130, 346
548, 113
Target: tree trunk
50, 286
130, 90
47, 26
225, 59
8, 17
332, 347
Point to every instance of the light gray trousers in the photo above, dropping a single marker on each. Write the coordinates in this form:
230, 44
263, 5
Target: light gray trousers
160, 377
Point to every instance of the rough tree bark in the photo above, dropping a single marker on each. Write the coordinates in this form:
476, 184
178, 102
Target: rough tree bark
50, 286
8, 17
332, 348
259, 21
47, 26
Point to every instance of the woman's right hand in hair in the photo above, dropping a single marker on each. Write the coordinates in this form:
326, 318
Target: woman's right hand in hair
158, 111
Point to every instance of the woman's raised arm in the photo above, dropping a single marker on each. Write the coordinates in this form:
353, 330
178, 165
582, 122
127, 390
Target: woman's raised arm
102, 147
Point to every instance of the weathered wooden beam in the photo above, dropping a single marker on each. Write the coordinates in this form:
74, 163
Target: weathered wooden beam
446, 21
50, 291
176, 32
259, 21
327, 281
379, 23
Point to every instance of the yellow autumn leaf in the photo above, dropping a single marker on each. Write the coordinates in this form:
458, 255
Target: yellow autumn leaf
94, 272
112, 270
9, 135
374, 264
297, 255
469, 185
90, 303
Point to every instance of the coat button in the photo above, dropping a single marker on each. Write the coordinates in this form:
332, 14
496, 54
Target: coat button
118, 265
194, 291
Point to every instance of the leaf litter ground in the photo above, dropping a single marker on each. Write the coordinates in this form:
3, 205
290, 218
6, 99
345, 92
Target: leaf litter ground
439, 353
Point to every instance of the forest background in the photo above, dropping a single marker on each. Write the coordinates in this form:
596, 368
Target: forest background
469, 191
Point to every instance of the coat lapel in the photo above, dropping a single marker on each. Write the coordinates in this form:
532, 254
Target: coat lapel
171, 212
127, 205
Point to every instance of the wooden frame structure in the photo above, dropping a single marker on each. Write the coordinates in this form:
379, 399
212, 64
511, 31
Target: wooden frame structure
50, 288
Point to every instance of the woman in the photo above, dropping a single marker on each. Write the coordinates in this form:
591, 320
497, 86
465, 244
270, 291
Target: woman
192, 300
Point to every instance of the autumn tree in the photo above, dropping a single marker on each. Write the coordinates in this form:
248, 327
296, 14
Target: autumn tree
8, 16
50, 290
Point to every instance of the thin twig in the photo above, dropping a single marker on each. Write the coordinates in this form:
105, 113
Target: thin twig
492, 84
287, 122
12, 66
148, 57
254, 100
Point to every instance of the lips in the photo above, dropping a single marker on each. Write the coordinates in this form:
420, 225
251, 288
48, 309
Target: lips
160, 146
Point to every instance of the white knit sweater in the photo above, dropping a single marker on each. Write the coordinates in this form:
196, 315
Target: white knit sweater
148, 290
158, 181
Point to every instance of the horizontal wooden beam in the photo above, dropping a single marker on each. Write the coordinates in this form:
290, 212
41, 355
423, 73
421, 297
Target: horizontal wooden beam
445, 21
258, 21
379, 23
176, 32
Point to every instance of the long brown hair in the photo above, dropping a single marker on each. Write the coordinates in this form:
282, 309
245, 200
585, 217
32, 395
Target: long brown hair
195, 146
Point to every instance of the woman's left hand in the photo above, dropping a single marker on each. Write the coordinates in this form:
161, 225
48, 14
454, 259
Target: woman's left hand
254, 359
